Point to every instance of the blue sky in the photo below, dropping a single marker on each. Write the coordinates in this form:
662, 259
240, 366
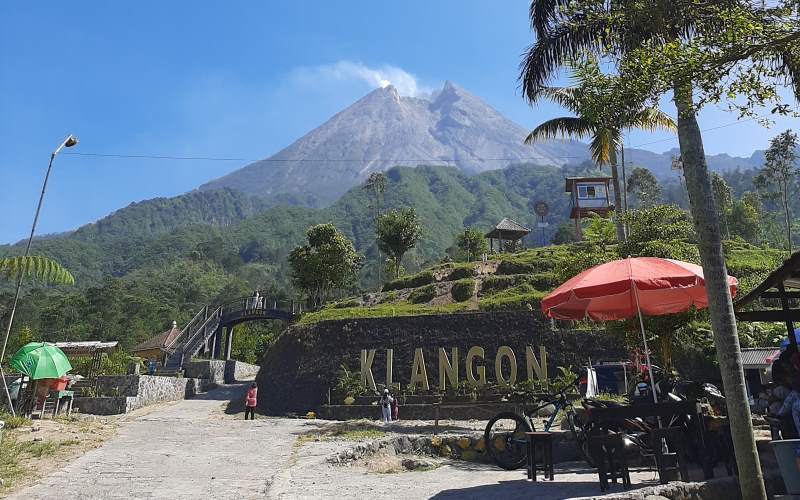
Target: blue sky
239, 80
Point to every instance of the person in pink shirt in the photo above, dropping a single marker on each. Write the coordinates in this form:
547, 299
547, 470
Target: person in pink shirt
250, 402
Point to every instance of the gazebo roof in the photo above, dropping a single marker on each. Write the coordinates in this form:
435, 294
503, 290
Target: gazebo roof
508, 229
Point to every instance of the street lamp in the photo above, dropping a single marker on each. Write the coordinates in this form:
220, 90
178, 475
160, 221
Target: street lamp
69, 142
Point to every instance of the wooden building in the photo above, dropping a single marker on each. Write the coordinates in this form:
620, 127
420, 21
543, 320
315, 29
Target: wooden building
156, 347
588, 194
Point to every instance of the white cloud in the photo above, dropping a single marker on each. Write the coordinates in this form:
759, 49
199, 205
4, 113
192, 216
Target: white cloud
403, 81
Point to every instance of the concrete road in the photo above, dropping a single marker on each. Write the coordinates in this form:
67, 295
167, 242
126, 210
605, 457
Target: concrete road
192, 449
187, 449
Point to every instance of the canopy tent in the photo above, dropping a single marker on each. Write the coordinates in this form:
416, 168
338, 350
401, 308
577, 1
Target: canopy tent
623, 289
774, 288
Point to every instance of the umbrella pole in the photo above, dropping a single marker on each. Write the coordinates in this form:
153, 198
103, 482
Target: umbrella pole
8, 394
646, 349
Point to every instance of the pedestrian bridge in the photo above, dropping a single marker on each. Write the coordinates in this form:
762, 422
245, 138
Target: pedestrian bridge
204, 333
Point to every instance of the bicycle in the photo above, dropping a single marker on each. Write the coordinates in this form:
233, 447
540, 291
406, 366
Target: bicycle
505, 438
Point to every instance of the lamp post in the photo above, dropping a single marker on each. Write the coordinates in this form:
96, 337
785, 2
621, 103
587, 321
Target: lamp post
69, 142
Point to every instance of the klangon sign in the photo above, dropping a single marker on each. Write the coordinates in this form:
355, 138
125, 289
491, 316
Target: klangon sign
449, 367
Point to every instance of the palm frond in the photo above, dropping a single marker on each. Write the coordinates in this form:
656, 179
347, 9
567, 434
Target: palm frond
544, 13
566, 126
37, 267
570, 41
650, 119
566, 97
603, 147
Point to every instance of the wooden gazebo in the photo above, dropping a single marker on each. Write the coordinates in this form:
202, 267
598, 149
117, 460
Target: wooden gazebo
781, 286
506, 230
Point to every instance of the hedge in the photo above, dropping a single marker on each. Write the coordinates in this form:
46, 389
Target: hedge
422, 294
463, 289
412, 281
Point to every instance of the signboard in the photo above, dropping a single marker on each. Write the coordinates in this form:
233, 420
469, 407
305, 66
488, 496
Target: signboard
541, 208
449, 363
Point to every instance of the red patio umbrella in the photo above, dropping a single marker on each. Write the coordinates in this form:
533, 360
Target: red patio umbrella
622, 289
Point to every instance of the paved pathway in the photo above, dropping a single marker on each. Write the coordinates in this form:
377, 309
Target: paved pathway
191, 449
185, 449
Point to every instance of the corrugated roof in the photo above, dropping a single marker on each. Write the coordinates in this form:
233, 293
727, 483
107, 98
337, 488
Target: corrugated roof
757, 356
88, 347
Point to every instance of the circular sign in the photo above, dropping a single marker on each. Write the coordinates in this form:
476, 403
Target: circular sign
541, 208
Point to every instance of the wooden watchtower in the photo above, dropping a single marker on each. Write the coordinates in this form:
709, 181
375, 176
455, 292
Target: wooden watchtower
588, 194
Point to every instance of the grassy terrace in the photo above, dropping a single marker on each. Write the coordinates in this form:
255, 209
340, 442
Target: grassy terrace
519, 281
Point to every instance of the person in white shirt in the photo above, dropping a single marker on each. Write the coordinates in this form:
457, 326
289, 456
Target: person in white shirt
386, 406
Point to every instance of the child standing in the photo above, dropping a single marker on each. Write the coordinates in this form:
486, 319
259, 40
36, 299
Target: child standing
250, 402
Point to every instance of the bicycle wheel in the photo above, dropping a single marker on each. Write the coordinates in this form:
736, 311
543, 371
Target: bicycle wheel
506, 441
581, 437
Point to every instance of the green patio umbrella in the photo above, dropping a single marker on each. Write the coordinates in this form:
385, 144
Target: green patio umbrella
40, 360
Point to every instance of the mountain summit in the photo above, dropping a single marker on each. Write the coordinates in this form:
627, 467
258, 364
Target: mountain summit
384, 129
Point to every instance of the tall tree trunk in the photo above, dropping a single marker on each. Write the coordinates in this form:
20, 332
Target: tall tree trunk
788, 218
618, 209
720, 305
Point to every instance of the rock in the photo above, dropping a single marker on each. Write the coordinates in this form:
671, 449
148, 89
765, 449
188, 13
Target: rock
464, 443
469, 455
445, 451
402, 445
418, 463
37, 439
480, 445
436, 441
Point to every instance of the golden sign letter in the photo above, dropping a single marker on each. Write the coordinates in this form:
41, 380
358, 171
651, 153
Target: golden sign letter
475, 352
367, 380
505, 352
389, 362
448, 370
419, 375
538, 367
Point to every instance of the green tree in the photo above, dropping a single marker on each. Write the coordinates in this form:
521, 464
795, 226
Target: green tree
723, 200
328, 262
703, 52
565, 233
472, 243
644, 187
598, 118
398, 231
744, 219
777, 178
376, 186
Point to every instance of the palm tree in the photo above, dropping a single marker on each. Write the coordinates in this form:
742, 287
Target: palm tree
599, 119
615, 30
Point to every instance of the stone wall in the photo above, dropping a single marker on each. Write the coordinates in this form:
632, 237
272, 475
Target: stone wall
209, 369
124, 393
237, 371
304, 363
220, 371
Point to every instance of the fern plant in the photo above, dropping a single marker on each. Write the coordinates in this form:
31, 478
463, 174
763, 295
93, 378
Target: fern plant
37, 267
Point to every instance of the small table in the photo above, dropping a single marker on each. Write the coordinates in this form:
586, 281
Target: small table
59, 395
545, 441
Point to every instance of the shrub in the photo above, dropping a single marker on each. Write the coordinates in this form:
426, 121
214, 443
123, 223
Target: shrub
13, 422
389, 297
517, 298
463, 289
347, 303
412, 281
422, 294
461, 272
539, 281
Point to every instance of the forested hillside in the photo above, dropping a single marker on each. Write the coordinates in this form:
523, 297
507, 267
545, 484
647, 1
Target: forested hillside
156, 261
